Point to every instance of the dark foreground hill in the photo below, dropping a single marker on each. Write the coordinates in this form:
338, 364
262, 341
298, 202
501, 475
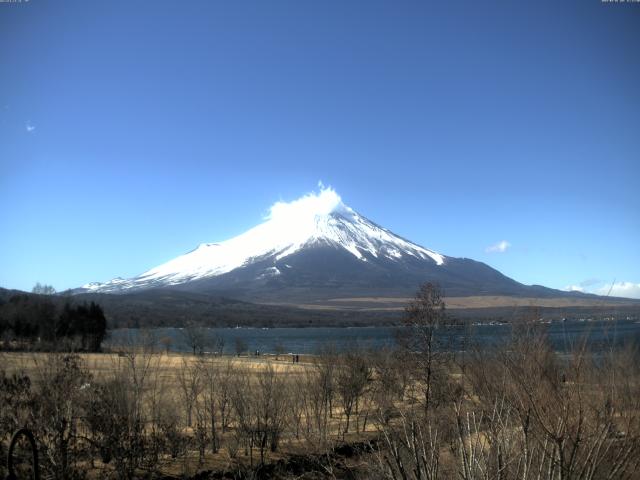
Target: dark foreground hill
175, 308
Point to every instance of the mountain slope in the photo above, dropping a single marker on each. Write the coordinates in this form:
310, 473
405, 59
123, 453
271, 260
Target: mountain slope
318, 248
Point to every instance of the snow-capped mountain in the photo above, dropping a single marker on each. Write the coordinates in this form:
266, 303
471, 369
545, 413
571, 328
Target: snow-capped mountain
312, 248
312, 221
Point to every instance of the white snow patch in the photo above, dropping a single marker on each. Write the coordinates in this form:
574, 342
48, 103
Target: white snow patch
269, 272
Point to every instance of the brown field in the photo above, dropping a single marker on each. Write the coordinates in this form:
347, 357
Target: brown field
168, 365
471, 302
163, 377
516, 412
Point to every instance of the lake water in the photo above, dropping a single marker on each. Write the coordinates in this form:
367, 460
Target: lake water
563, 335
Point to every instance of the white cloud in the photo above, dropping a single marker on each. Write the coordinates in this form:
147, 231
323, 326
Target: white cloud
574, 288
308, 206
620, 289
30, 127
598, 287
499, 247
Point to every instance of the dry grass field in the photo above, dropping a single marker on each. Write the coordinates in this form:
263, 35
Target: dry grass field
171, 381
398, 304
517, 412
166, 365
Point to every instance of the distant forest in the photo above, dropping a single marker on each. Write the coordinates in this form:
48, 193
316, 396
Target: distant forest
36, 321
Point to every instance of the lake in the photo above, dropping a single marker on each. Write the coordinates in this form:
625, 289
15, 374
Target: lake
599, 334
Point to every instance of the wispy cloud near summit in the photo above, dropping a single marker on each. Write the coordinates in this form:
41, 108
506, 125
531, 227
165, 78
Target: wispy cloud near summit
308, 206
499, 247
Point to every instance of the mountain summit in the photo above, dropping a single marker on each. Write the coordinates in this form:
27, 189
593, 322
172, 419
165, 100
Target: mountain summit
312, 248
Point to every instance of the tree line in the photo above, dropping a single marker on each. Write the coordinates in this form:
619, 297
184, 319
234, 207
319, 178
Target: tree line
37, 321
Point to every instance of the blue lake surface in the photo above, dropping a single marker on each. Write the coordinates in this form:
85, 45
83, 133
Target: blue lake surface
562, 335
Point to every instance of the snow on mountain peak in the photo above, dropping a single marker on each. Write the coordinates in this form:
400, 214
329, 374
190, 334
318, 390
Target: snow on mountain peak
315, 218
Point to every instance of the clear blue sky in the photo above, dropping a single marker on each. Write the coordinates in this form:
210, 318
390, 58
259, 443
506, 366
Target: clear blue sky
132, 131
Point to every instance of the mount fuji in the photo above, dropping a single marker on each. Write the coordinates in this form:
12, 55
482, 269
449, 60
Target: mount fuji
315, 249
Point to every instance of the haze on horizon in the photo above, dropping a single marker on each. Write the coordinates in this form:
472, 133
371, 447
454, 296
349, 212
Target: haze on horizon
131, 132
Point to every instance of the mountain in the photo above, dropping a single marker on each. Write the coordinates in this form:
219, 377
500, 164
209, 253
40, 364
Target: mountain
317, 249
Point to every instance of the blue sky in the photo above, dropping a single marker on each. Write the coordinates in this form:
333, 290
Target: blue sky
132, 131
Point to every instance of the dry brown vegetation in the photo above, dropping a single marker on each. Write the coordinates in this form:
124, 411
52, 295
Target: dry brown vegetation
519, 411
470, 302
516, 412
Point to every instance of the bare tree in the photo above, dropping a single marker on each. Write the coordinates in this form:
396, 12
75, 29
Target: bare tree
311, 396
352, 377
122, 404
201, 432
412, 437
216, 342
194, 337
224, 382
190, 384
62, 386
43, 289
423, 317
296, 392
16, 398
210, 374
537, 415
240, 346
116, 423
260, 410
166, 343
